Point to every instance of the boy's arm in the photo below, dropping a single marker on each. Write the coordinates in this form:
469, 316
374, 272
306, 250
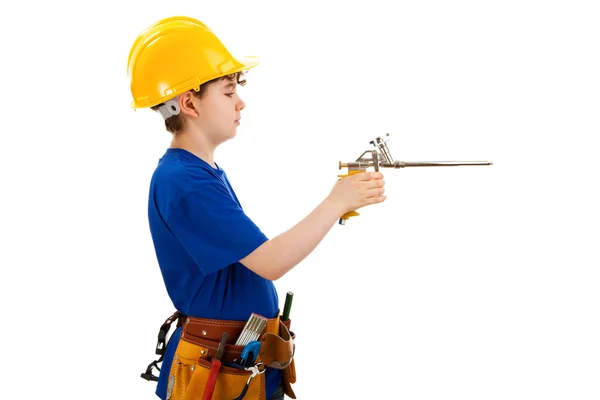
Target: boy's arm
277, 256
216, 232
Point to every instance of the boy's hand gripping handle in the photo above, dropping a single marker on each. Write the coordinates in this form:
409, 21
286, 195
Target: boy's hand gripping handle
357, 170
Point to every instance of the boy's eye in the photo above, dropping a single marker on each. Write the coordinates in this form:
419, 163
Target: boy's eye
229, 94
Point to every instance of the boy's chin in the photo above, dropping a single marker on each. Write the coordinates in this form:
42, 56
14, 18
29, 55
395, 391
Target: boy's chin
228, 135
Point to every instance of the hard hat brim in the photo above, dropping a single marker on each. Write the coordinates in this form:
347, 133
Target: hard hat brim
248, 62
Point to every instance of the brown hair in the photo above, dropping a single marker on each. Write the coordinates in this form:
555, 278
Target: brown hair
175, 123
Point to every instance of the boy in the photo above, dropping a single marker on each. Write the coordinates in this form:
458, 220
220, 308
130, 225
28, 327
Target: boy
216, 263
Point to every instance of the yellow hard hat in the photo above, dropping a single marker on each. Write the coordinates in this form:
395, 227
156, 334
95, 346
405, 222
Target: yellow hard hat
177, 54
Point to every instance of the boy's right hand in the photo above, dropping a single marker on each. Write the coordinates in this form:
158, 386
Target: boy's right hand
359, 190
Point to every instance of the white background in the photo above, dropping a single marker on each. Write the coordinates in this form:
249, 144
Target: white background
467, 283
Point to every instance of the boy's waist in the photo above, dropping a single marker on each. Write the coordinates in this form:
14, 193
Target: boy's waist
213, 329
277, 342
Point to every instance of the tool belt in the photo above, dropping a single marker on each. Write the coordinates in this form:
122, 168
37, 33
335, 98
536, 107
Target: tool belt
190, 372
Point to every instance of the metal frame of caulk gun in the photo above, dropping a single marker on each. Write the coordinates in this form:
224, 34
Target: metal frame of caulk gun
382, 158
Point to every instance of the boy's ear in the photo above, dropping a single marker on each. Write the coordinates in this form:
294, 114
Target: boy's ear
186, 104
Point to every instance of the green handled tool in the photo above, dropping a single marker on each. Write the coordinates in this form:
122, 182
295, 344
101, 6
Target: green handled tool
287, 306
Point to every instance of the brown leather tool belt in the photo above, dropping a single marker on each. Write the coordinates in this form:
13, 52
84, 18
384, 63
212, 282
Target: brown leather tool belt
199, 341
277, 342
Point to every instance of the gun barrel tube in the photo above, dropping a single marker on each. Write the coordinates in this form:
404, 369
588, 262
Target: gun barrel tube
363, 165
404, 164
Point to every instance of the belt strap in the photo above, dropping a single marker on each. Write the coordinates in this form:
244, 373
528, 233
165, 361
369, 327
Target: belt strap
277, 344
161, 345
212, 329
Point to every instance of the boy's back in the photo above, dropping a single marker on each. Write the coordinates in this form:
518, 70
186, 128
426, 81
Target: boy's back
200, 232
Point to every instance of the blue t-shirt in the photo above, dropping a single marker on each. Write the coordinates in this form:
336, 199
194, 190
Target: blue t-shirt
200, 233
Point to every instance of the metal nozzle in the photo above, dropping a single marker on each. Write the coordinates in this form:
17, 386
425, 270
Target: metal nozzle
379, 143
404, 164
382, 158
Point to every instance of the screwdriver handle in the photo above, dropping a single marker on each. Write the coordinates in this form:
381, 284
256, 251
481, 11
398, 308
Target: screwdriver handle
288, 306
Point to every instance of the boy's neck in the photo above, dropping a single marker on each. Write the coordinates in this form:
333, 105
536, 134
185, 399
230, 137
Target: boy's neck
198, 147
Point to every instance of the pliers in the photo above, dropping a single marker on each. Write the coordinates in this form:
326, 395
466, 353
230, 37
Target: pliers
256, 370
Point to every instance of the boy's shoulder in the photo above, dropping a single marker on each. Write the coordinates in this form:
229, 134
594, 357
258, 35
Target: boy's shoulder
178, 166
180, 173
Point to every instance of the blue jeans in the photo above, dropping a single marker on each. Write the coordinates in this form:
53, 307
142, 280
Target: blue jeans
278, 394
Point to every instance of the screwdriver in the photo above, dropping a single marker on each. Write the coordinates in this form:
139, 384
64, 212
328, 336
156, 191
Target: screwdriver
287, 306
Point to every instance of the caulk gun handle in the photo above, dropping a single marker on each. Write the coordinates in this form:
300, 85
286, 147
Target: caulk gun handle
349, 214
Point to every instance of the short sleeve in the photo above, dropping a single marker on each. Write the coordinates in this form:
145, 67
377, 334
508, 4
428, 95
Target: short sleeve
213, 228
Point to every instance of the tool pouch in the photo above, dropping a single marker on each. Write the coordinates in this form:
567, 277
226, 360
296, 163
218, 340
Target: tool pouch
190, 374
192, 361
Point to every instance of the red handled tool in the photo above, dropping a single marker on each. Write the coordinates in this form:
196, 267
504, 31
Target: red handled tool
214, 369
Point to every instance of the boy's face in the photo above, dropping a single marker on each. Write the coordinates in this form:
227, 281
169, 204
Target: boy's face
218, 112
